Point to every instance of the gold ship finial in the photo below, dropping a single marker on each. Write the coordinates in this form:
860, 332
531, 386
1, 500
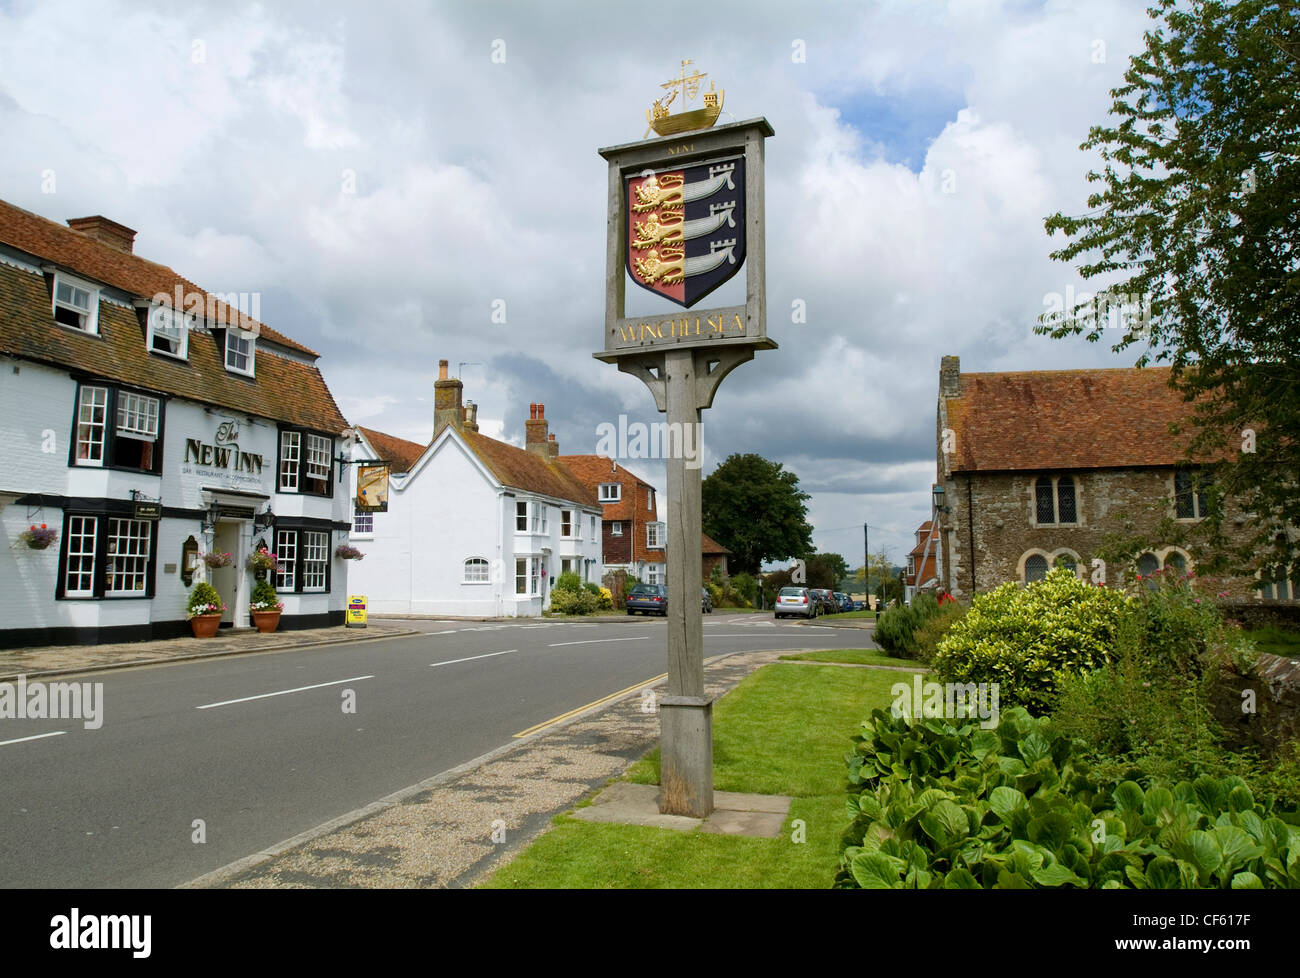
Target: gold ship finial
665, 124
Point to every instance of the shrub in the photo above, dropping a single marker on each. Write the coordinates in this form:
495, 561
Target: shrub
926, 638
745, 588
264, 598
896, 628
941, 807
606, 599
568, 581
1177, 624
204, 600
1023, 637
715, 593
572, 602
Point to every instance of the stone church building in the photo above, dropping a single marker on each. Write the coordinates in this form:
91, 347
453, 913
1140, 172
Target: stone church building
1038, 468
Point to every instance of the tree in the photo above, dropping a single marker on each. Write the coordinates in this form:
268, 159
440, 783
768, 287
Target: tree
755, 509
825, 570
1196, 229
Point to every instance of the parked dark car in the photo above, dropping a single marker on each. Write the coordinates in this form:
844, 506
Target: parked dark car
846, 603
827, 605
649, 599
706, 604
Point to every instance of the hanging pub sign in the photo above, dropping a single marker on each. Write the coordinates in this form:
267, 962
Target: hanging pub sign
148, 511
685, 214
372, 487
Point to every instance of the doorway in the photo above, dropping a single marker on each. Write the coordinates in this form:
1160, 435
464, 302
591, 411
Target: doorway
225, 539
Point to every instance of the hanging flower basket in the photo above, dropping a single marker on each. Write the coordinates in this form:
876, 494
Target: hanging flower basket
345, 551
261, 561
217, 560
38, 537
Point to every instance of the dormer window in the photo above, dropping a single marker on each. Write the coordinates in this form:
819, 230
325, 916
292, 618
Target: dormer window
167, 332
76, 303
239, 352
611, 492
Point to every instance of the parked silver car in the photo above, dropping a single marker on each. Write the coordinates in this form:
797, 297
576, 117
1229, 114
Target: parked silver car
795, 601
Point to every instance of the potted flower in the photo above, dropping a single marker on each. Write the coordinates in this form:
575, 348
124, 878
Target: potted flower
265, 607
261, 562
205, 610
345, 551
38, 537
217, 559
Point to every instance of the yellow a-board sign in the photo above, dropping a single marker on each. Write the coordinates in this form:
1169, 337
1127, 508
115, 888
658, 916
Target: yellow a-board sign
356, 611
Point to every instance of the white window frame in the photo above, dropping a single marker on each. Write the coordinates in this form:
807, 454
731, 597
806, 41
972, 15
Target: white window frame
137, 416
89, 315
481, 571
240, 336
172, 322
521, 516
650, 500
290, 456
652, 574
127, 557
88, 426
654, 536
593, 528
358, 533
82, 530
315, 560
616, 528
521, 576
611, 492
566, 524
286, 552
317, 463
539, 518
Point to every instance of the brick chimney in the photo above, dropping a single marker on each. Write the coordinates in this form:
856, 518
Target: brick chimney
471, 416
552, 447
950, 377
447, 409
104, 231
535, 439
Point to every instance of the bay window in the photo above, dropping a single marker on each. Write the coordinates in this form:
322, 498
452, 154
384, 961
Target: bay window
117, 428
106, 556
306, 463
304, 558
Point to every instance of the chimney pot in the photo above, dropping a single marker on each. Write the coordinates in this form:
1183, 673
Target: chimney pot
442, 369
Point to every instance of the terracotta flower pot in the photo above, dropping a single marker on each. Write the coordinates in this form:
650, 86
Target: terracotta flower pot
205, 626
266, 621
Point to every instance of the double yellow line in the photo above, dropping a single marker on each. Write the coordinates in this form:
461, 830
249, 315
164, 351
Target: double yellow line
594, 703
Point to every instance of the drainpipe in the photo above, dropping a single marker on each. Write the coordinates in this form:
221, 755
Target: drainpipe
970, 531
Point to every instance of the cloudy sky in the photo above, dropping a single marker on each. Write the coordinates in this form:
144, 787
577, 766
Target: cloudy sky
383, 173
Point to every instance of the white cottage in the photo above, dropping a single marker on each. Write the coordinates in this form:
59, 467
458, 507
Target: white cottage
474, 526
146, 421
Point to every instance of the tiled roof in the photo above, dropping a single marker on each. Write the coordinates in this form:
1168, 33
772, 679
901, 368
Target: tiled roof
513, 467
521, 469
593, 470
84, 255
710, 546
1065, 419
283, 389
398, 452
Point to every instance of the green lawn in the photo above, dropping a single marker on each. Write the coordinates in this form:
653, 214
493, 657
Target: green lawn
851, 614
1275, 640
866, 657
781, 731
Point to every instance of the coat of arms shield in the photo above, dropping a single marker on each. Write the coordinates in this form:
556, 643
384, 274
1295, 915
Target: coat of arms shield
686, 228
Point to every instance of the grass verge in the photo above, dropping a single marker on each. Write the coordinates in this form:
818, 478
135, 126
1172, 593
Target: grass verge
781, 731
862, 657
850, 614
1275, 640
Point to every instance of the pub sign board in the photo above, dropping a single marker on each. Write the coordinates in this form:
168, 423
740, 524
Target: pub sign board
685, 215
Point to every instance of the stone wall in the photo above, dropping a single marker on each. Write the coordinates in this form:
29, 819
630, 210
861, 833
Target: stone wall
992, 528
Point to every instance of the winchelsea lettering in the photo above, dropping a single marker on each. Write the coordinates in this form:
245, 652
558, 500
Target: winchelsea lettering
671, 329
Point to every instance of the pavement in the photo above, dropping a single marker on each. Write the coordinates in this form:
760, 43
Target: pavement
58, 660
457, 828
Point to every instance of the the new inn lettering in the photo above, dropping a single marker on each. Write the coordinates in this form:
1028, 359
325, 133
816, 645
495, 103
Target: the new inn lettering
222, 457
672, 329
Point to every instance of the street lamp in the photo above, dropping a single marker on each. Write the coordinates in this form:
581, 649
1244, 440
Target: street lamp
936, 491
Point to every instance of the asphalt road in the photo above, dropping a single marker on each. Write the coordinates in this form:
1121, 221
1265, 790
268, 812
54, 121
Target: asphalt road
259, 747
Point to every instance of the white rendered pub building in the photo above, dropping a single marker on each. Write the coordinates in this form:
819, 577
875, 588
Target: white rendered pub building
147, 432
473, 526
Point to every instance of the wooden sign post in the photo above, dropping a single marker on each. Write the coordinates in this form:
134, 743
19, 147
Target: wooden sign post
685, 214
